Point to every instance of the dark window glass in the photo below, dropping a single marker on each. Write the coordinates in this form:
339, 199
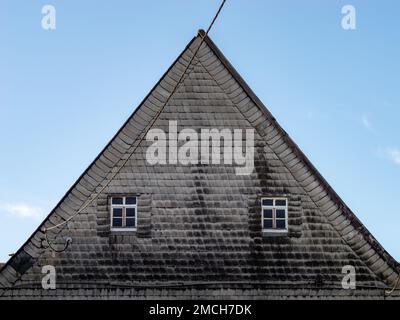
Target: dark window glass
117, 212
280, 202
130, 200
267, 223
117, 200
280, 224
117, 222
130, 212
280, 213
268, 213
268, 202
130, 222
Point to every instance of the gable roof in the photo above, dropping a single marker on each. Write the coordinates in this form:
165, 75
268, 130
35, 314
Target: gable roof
216, 67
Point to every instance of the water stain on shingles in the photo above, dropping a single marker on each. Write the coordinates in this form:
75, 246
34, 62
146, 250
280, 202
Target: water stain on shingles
204, 216
258, 258
201, 190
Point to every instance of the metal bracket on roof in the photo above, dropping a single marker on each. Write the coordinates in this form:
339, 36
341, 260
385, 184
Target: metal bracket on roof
389, 293
68, 241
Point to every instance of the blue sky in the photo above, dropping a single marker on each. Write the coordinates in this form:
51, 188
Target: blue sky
64, 93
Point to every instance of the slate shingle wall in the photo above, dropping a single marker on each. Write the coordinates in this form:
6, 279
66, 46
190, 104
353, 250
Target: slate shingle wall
196, 294
199, 226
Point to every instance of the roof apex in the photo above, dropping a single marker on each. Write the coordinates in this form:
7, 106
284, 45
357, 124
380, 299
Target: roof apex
201, 33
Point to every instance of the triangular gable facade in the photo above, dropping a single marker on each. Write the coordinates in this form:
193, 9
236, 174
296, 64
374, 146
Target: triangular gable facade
199, 230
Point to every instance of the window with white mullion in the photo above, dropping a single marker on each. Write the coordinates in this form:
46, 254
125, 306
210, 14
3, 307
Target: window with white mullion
123, 213
274, 214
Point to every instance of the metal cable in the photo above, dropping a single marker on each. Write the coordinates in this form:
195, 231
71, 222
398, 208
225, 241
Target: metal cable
389, 293
144, 133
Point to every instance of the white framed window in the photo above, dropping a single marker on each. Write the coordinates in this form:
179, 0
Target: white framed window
274, 215
123, 213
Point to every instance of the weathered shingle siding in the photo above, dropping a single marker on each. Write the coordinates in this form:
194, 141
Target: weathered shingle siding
199, 232
199, 294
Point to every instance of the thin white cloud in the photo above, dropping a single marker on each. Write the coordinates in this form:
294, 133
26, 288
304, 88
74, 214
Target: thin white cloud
366, 122
21, 210
394, 155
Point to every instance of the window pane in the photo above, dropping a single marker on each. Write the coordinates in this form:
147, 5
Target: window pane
130, 212
267, 202
117, 212
117, 200
117, 222
268, 213
280, 202
130, 222
280, 224
280, 213
130, 200
267, 223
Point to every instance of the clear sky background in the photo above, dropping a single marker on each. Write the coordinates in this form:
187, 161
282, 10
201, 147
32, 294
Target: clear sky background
64, 93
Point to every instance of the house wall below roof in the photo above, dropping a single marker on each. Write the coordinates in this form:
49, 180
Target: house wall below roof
198, 294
